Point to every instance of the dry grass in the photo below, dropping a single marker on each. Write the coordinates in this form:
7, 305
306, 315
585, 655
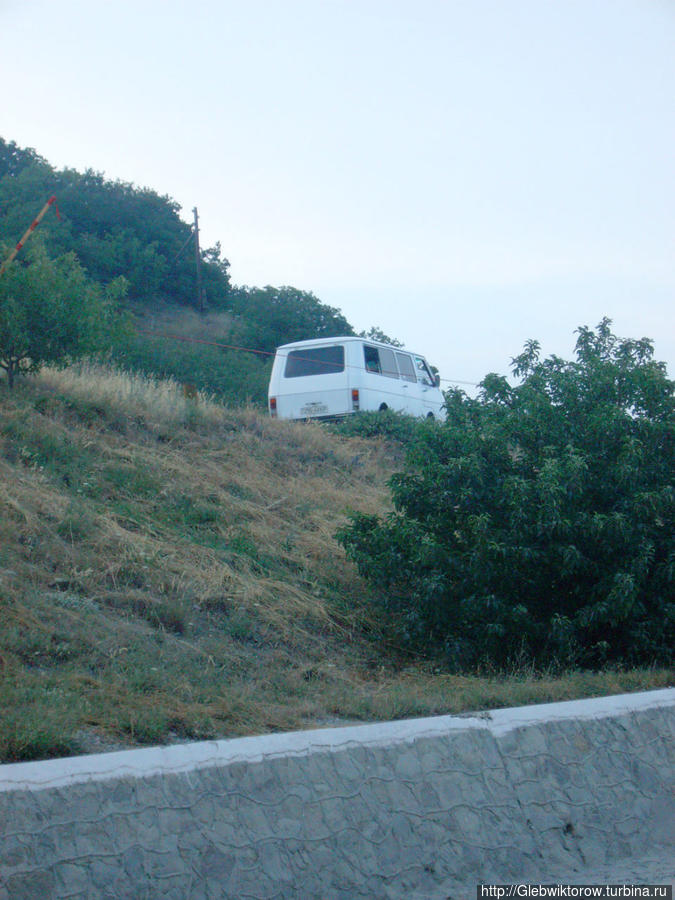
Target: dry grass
168, 570
226, 500
155, 401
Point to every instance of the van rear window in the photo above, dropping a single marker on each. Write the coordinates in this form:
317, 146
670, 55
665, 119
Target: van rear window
315, 361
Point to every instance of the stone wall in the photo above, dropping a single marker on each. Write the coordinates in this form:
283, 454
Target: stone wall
425, 808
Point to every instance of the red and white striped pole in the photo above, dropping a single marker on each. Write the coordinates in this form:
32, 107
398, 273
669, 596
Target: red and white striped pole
33, 225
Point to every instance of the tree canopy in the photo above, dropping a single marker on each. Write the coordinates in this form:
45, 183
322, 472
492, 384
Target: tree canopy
538, 522
114, 228
271, 316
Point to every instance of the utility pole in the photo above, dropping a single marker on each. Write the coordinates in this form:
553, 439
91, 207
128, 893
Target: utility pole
198, 260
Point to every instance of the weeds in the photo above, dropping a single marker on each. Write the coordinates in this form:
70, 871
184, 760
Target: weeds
183, 348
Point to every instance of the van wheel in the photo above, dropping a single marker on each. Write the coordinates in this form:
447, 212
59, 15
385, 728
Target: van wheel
383, 406
430, 415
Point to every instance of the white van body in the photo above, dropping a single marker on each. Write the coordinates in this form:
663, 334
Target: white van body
330, 377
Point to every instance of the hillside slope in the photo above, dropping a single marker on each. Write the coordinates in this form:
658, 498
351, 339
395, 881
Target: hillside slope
168, 571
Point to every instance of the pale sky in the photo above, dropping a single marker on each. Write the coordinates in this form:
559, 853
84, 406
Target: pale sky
464, 174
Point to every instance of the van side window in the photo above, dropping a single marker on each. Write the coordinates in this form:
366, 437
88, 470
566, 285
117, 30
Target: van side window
380, 360
406, 367
315, 361
423, 373
372, 359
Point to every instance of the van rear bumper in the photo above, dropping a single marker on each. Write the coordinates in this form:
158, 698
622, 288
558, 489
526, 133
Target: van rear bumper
313, 404
328, 417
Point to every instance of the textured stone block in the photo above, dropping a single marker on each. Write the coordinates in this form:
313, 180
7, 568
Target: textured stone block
424, 809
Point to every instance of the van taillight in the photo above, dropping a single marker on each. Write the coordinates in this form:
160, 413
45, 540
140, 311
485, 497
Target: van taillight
273, 407
355, 398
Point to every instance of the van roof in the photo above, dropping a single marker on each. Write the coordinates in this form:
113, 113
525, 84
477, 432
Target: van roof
320, 342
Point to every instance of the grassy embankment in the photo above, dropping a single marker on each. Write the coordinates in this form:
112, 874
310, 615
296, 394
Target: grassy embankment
168, 571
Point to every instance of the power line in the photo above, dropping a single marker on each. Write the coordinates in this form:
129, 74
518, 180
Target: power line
223, 346
191, 340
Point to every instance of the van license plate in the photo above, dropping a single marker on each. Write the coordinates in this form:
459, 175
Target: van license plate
313, 409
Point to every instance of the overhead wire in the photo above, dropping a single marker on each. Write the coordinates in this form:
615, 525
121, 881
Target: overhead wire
224, 346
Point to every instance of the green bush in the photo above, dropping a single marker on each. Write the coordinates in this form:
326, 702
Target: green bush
538, 523
387, 423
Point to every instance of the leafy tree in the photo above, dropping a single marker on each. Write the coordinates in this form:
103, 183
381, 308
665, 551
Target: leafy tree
376, 334
143, 265
51, 312
23, 191
14, 158
216, 277
539, 521
271, 316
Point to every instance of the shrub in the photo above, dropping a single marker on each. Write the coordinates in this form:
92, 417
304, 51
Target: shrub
538, 523
387, 423
51, 312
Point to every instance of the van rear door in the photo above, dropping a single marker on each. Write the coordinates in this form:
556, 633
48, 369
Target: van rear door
310, 382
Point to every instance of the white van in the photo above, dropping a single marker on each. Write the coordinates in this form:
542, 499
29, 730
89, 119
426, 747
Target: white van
330, 377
